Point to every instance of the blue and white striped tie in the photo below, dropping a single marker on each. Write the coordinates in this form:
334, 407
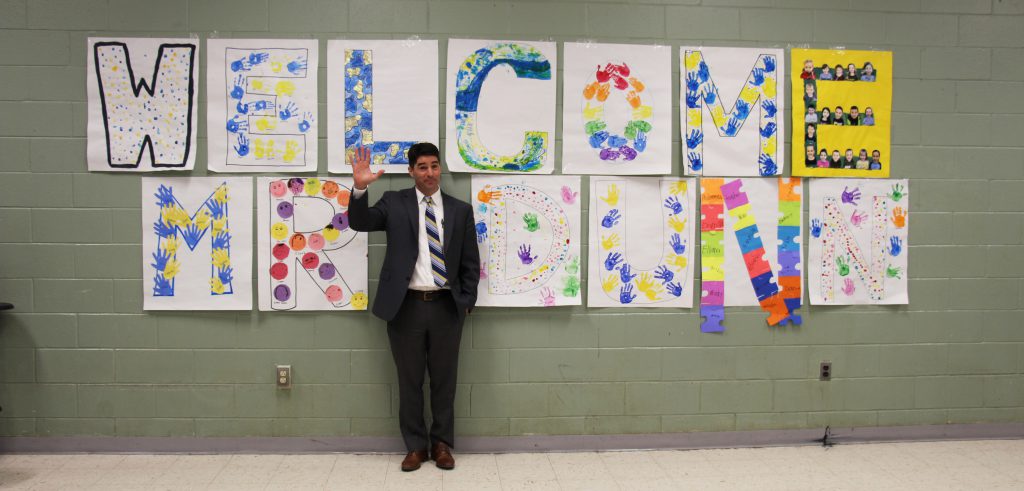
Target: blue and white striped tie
434, 241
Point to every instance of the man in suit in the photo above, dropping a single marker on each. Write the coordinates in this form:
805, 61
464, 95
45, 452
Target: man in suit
427, 287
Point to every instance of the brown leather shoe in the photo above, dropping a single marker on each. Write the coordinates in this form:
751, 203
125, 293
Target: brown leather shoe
442, 456
413, 460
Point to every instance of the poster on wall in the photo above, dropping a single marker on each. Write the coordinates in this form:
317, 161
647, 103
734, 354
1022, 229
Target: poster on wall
842, 112
641, 242
751, 234
859, 245
501, 106
731, 113
262, 105
197, 243
309, 258
528, 232
617, 109
382, 95
142, 95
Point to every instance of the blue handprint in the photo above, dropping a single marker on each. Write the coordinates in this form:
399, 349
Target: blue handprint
225, 275
768, 166
691, 99
239, 65
769, 108
742, 110
257, 58
162, 230
769, 64
664, 274
758, 75
305, 124
242, 149
234, 125
237, 92
702, 72
263, 105
768, 130
677, 244
673, 204
624, 273
695, 161
598, 138
696, 137
297, 66
160, 259
816, 228
481, 231
626, 294
895, 246
288, 111
611, 219
640, 142
691, 83
675, 289
612, 261
242, 108
733, 126
710, 96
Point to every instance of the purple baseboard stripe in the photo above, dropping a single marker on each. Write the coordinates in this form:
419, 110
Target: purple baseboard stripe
547, 443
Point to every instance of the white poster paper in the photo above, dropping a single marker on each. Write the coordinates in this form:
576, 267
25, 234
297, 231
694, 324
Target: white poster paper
732, 111
382, 95
309, 258
142, 96
641, 242
528, 230
859, 241
617, 109
262, 97
197, 243
501, 106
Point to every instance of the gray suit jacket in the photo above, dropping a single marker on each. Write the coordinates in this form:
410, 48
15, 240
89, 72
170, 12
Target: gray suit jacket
397, 214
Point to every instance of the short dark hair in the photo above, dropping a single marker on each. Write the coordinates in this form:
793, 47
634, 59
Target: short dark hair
422, 149
854, 108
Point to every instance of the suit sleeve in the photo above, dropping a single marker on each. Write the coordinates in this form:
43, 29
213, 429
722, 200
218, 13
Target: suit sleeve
363, 218
469, 270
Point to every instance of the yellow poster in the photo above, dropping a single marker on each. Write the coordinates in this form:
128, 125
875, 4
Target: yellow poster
842, 112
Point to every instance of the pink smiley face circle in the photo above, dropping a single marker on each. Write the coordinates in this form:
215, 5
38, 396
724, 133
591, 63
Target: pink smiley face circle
316, 242
278, 188
333, 293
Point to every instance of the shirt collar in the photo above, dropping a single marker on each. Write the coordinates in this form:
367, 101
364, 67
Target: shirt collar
436, 197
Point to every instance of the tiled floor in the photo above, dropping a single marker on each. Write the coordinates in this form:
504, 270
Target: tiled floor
992, 464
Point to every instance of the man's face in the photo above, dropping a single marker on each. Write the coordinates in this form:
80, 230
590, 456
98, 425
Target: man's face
426, 171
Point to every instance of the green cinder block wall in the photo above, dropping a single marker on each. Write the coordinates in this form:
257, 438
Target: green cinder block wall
79, 357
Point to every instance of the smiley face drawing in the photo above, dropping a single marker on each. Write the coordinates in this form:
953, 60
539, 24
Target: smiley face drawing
329, 189
297, 242
278, 188
316, 241
279, 231
310, 260
296, 185
285, 210
333, 293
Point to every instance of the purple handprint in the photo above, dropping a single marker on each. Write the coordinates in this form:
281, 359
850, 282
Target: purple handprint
674, 205
612, 261
675, 289
850, 197
524, 254
611, 219
626, 294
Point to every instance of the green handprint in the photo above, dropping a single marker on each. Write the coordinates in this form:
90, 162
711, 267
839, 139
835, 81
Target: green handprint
531, 222
844, 267
894, 272
897, 192
572, 286
574, 265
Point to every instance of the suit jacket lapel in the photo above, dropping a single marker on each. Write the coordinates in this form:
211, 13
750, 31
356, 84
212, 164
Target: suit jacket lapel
448, 203
413, 210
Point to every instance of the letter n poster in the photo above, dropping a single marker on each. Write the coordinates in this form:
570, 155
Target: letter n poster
842, 113
858, 251
528, 231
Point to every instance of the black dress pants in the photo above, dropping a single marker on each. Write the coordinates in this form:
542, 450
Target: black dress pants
425, 337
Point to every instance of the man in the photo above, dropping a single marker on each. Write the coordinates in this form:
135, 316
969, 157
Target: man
427, 287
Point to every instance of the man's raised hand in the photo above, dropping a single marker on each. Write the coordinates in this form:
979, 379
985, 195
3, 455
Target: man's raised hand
362, 176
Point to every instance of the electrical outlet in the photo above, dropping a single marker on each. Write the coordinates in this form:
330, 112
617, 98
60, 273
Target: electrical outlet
284, 376
826, 371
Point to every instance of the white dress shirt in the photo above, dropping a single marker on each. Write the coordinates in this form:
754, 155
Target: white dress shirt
422, 274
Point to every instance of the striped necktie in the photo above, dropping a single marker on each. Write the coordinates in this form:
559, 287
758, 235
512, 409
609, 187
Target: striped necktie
434, 241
